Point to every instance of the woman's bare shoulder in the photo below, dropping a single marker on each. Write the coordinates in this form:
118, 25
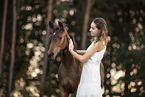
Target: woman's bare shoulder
99, 45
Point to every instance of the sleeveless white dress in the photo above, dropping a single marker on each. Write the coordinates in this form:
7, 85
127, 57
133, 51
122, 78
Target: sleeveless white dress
90, 82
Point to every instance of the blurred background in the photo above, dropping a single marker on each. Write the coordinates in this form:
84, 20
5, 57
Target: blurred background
25, 69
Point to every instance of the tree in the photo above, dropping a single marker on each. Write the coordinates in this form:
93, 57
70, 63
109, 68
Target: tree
3, 35
13, 47
49, 17
85, 25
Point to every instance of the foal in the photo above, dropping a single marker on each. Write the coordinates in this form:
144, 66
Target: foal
70, 68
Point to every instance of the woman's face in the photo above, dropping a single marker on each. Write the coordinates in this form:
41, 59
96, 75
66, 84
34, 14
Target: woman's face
94, 30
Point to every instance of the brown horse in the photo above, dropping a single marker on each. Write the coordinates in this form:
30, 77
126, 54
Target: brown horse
70, 69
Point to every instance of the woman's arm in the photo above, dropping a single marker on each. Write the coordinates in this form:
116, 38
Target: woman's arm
96, 47
81, 51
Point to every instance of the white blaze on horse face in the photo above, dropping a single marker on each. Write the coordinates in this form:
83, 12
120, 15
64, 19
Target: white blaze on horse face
54, 33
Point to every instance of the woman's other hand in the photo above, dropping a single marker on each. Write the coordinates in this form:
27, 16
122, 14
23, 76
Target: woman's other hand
71, 46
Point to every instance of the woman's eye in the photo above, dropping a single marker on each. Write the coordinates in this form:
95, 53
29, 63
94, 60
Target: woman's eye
60, 38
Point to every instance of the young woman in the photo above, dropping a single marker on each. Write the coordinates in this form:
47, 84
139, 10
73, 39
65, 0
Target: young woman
90, 82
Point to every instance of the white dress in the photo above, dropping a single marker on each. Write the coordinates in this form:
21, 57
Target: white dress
90, 82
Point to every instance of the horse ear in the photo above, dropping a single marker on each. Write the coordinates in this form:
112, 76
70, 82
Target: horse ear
51, 25
60, 25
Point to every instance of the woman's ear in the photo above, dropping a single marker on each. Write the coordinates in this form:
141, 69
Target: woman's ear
51, 25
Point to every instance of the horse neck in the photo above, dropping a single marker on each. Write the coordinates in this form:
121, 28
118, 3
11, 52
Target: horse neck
66, 56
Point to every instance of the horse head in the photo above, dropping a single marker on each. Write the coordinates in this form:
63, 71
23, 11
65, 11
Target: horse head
59, 39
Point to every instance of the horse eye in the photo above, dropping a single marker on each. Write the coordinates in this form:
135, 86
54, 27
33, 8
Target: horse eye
60, 38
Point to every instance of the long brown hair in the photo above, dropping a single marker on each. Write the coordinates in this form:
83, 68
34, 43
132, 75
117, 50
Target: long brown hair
102, 26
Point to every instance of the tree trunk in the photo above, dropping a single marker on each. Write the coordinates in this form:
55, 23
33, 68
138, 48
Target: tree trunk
49, 17
13, 47
86, 19
3, 35
127, 92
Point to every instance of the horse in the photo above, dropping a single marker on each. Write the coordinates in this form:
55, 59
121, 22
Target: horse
69, 71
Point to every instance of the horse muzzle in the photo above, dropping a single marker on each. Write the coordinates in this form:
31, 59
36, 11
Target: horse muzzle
51, 55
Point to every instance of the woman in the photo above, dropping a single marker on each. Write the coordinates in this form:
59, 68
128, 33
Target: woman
90, 82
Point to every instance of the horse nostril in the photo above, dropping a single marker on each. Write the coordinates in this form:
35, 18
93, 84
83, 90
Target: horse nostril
49, 54
52, 54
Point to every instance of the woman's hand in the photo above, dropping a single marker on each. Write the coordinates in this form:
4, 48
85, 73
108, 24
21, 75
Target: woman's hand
71, 46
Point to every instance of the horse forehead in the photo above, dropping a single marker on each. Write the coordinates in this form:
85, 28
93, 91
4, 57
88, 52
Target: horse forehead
57, 33
54, 33
54, 37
